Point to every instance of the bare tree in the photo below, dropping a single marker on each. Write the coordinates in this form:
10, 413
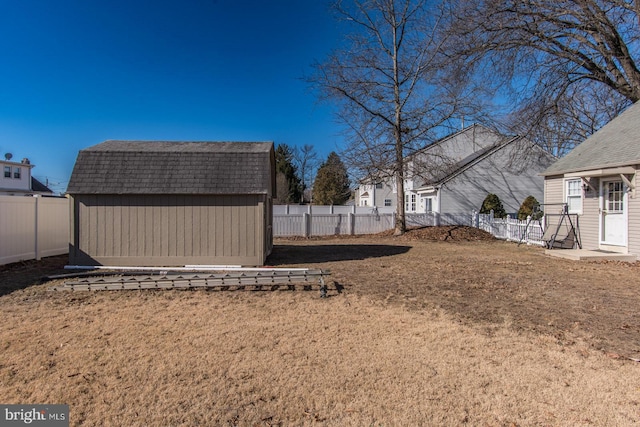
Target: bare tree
390, 85
569, 64
560, 124
306, 160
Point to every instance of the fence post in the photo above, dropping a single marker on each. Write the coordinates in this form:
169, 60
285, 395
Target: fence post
352, 223
475, 219
306, 224
36, 231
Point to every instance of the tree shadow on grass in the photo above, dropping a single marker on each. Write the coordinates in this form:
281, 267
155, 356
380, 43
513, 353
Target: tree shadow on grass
316, 254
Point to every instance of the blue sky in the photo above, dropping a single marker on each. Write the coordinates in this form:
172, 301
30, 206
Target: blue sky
77, 72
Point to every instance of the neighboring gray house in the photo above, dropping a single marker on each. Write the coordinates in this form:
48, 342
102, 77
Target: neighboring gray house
156, 203
456, 173
597, 181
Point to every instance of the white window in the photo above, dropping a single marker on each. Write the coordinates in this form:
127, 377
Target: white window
7, 171
428, 204
574, 195
16, 173
379, 186
410, 202
387, 202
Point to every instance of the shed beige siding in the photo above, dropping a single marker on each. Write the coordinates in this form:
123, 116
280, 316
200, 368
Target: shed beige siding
169, 230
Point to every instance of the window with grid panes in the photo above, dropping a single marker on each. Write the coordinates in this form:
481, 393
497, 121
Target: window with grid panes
574, 195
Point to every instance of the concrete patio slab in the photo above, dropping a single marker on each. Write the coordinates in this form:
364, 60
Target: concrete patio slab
591, 255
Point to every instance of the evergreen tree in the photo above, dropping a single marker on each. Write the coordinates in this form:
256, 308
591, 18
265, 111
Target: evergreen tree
287, 180
331, 186
527, 209
492, 203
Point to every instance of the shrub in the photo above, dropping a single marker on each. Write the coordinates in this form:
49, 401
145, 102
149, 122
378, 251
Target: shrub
527, 209
493, 203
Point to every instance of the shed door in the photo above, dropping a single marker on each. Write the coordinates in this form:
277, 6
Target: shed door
613, 223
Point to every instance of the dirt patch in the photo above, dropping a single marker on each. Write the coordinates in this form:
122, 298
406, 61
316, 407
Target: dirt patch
450, 233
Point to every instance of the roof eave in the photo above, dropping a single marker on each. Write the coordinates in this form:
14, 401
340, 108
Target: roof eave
590, 168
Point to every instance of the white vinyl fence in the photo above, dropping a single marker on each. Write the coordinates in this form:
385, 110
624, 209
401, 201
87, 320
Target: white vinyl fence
309, 221
36, 227
513, 230
33, 227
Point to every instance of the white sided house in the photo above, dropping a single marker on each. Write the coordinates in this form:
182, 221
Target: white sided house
597, 182
456, 173
16, 179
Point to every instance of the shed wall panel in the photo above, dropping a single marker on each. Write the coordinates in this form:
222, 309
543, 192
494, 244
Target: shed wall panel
169, 230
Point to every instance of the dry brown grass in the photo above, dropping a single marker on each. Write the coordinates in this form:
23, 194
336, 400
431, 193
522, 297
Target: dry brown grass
412, 339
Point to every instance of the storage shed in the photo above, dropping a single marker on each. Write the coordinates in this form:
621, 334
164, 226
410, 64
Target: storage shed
160, 203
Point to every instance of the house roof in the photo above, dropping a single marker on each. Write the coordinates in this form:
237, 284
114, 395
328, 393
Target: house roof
171, 167
473, 128
615, 144
39, 187
465, 163
482, 154
480, 136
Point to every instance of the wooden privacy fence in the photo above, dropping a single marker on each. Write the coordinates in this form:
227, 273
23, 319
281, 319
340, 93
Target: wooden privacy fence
33, 227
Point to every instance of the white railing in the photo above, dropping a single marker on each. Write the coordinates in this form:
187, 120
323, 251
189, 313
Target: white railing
340, 220
33, 227
527, 231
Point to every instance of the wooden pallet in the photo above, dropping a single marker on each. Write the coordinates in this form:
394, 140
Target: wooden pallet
257, 279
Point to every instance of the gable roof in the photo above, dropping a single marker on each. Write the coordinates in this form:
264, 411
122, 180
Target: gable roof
485, 153
170, 167
476, 130
471, 139
39, 187
615, 144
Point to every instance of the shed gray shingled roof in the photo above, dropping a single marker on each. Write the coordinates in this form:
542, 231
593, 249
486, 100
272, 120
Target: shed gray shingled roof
167, 167
615, 144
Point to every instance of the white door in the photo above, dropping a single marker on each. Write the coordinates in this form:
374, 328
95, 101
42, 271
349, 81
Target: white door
613, 223
426, 204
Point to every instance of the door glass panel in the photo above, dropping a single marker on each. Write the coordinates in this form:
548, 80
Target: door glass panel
614, 197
